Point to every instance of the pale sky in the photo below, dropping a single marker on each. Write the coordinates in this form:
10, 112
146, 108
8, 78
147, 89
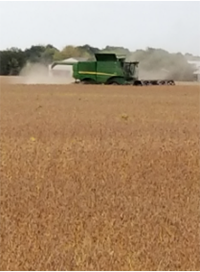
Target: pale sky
173, 26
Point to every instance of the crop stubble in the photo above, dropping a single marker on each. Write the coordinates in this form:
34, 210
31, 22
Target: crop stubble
103, 178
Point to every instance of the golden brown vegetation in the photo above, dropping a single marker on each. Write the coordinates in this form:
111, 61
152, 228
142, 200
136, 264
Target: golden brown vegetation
99, 178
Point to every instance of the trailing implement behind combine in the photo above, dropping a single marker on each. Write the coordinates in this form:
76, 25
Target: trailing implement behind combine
111, 70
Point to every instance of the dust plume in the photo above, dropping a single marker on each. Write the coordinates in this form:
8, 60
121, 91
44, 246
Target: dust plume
160, 64
153, 75
37, 73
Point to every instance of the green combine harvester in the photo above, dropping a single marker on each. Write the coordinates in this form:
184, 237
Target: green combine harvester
109, 69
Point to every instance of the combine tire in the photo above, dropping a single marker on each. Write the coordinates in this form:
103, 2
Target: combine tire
88, 81
114, 83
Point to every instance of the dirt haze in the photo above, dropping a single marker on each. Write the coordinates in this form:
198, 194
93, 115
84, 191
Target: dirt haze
39, 74
151, 75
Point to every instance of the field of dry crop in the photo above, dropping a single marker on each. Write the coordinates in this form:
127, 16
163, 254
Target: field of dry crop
99, 178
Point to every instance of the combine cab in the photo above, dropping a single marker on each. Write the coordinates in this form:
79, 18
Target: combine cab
110, 70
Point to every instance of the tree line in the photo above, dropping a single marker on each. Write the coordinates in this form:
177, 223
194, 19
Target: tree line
152, 61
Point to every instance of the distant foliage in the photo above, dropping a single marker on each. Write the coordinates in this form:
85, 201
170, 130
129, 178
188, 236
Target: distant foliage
11, 61
153, 62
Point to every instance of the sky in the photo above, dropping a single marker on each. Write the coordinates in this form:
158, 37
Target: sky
173, 26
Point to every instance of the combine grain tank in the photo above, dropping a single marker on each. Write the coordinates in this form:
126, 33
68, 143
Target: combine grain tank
110, 70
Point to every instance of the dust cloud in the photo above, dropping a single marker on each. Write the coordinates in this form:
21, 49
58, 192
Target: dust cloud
160, 64
39, 74
153, 75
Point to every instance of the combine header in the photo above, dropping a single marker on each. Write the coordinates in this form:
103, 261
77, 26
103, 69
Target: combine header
110, 70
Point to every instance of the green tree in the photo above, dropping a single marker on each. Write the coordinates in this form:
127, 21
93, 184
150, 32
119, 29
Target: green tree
47, 56
11, 61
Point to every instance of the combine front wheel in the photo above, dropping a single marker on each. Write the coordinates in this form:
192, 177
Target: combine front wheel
88, 81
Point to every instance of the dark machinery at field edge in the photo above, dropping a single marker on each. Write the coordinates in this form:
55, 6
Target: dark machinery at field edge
110, 70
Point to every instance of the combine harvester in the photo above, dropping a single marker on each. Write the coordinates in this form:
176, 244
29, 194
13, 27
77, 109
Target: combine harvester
110, 70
